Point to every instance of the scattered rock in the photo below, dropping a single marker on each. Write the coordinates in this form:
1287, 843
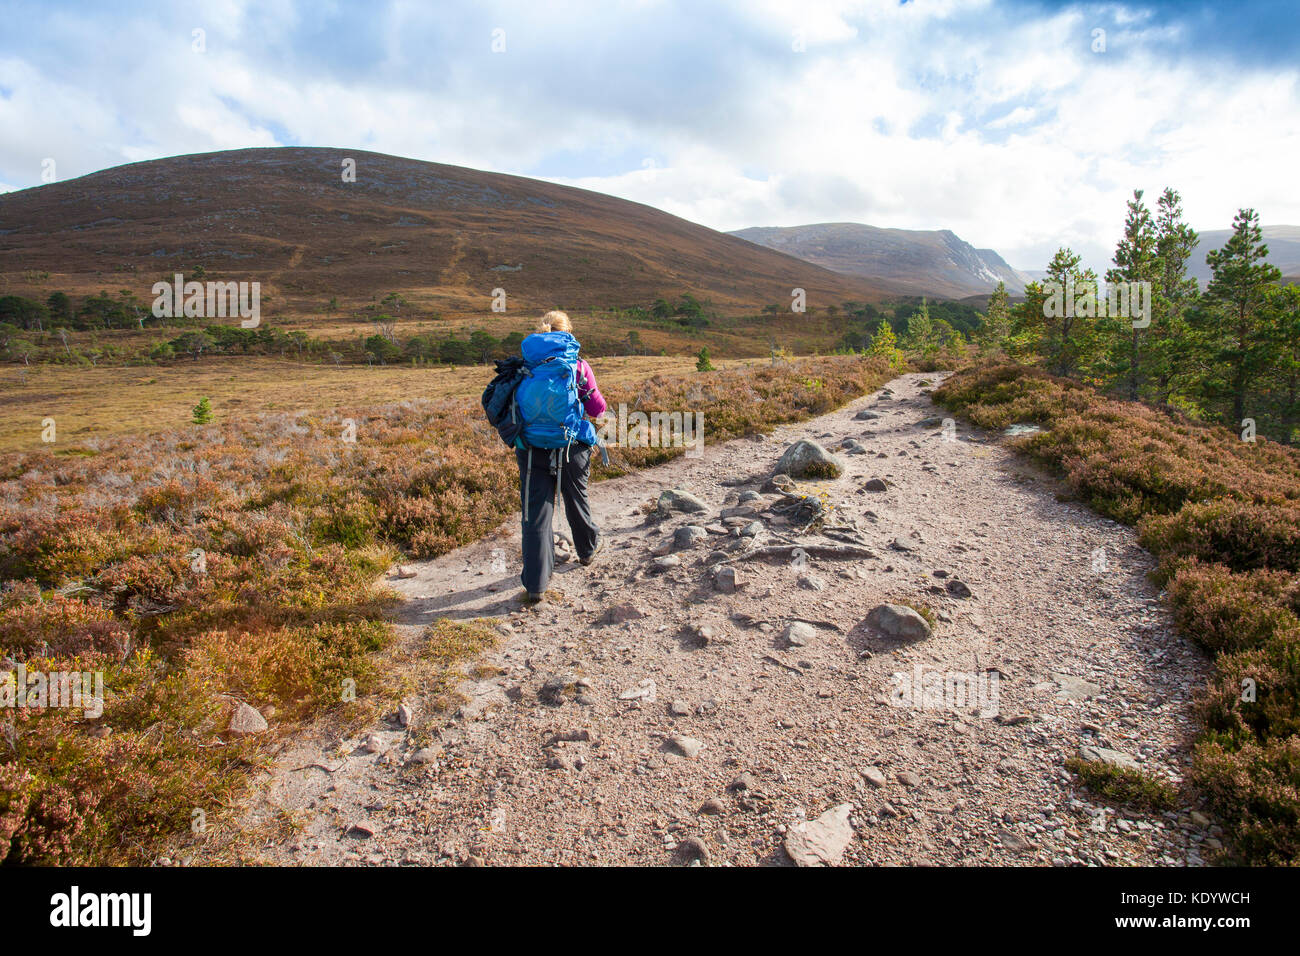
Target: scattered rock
799, 633
679, 708
876, 484
688, 536
693, 848
866, 415
724, 578
645, 691
713, 807
557, 688
688, 747
908, 779
704, 633
746, 781
1075, 688
621, 613
780, 483
1014, 720
823, 841
570, 736
807, 459
958, 588
811, 582
899, 622
873, 776
426, 755
373, 744
678, 500
1013, 841
1115, 758
245, 720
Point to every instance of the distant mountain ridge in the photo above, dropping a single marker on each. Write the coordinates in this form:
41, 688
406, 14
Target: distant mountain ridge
905, 261
1283, 250
443, 236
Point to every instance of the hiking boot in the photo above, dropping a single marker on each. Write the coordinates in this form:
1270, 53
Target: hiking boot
600, 544
532, 597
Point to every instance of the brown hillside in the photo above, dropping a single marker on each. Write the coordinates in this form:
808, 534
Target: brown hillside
444, 236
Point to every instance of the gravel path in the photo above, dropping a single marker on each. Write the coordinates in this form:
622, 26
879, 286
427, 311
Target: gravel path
696, 730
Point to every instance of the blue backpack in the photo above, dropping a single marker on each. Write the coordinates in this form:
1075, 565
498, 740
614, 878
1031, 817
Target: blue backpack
547, 398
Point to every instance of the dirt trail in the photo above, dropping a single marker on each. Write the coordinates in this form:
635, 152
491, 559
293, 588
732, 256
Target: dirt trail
1085, 656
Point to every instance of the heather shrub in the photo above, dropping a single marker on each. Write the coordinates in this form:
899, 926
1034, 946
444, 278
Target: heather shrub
58, 626
739, 402
1254, 694
1255, 789
38, 821
1225, 610
1239, 534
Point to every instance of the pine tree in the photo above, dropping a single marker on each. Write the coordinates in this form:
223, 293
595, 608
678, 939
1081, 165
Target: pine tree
1135, 261
995, 326
885, 343
1068, 316
1168, 356
702, 363
921, 336
1057, 320
1028, 328
203, 412
1233, 317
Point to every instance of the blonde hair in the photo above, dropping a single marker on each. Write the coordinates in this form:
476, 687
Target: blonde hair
555, 322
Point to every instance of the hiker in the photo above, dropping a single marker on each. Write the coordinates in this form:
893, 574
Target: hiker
554, 447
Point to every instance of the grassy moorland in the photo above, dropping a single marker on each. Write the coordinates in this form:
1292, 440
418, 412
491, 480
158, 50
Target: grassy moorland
198, 566
1223, 517
88, 404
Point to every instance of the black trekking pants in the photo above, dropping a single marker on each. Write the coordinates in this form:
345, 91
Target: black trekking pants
539, 469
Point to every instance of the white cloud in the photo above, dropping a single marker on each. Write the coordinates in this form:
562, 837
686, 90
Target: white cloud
997, 123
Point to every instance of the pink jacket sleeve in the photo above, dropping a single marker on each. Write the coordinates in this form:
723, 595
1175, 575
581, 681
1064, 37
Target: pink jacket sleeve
593, 403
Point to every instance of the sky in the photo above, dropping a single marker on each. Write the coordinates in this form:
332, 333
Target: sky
1021, 126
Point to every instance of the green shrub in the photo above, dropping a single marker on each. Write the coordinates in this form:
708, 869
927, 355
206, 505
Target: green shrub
1123, 784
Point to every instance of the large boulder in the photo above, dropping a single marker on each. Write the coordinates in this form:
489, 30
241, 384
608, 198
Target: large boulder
899, 622
807, 459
